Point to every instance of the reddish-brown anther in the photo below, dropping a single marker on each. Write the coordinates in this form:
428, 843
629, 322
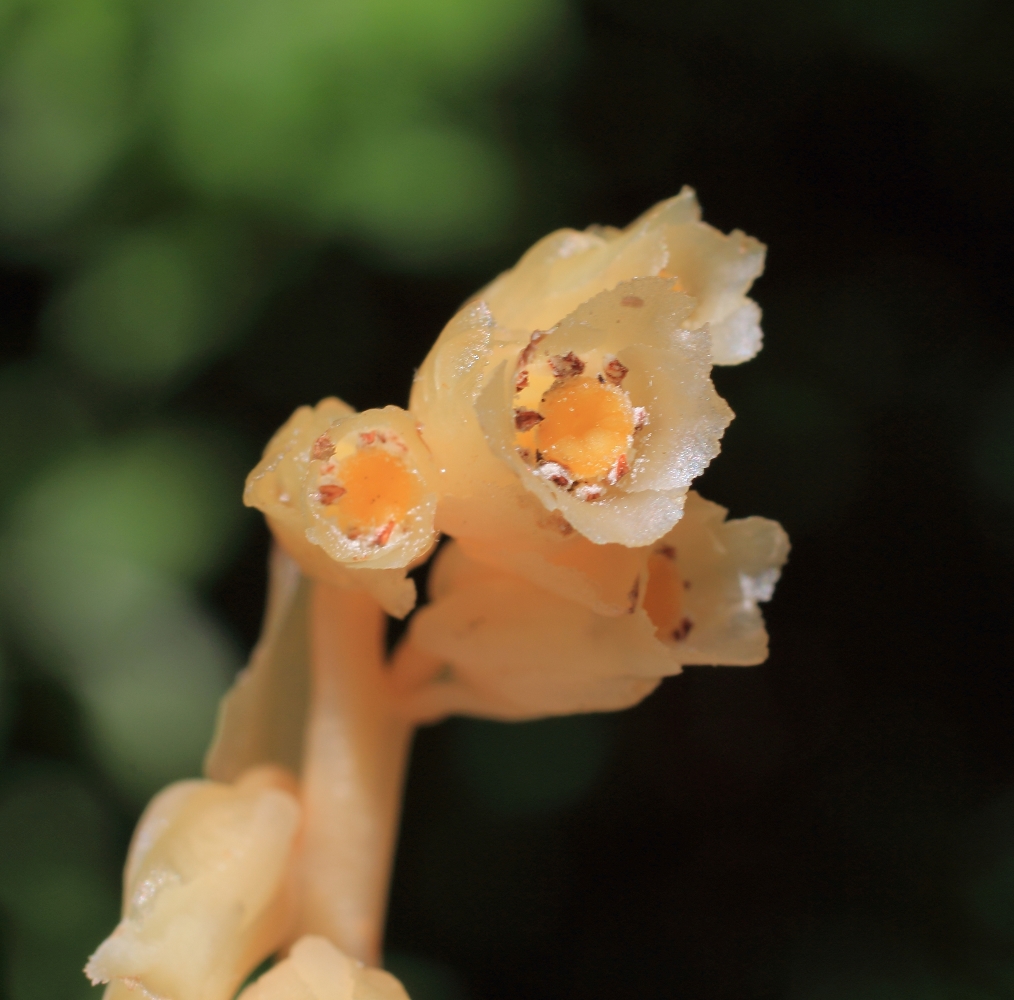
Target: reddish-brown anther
566, 365
634, 301
615, 371
619, 470
329, 492
525, 420
526, 355
384, 535
521, 381
322, 448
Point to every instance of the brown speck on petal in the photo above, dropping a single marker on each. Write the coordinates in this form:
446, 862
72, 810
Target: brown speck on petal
635, 592
526, 355
329, 492
640, 417
322, 448
682, 630
525, 420
384, 535
521, 381
615, 371
561, 524
618, 471
526, 455
634, 301
668, 551
686, 584
566, 365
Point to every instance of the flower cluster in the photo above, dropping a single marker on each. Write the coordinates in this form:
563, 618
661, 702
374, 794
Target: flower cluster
553, 432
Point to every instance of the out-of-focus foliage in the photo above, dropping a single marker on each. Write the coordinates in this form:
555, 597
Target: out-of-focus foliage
96, 558
320, 116
57, 881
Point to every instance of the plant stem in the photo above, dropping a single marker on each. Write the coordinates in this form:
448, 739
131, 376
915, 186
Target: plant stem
354, 764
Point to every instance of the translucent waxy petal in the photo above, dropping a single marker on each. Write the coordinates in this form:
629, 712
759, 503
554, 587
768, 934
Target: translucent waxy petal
495, 644
727, 568
568, 267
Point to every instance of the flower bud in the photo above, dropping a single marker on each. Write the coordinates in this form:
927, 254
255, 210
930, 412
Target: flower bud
205, 891
317, 970
350, 496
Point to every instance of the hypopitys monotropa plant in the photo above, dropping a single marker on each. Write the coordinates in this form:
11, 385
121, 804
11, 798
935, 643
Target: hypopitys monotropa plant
554, 431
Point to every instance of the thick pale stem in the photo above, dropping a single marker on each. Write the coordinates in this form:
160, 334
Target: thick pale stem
353, 771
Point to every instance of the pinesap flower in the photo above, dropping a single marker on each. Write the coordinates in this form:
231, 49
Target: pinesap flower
206, 894
350, 496
573, 394
554, 430
610, 415
491, 643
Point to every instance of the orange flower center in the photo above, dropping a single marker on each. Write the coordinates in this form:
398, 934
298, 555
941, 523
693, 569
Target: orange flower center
378, 489
586, 426
663, 598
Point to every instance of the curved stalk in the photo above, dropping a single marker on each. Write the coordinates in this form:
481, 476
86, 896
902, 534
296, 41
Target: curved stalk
354, 761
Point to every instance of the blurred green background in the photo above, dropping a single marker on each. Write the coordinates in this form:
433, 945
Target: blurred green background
212, 211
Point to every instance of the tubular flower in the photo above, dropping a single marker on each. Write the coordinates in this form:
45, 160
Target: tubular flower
206, 894
317, 970
574, 392
350, 496
610, 415
491, 643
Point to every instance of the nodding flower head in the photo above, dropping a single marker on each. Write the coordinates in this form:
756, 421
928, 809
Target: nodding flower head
350, 496
554, 431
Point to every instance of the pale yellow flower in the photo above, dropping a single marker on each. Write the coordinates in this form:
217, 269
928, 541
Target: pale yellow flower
609, 416
350, 496
573, 394
494, 644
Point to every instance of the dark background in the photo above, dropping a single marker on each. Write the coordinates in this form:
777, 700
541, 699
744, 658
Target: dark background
836, 824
